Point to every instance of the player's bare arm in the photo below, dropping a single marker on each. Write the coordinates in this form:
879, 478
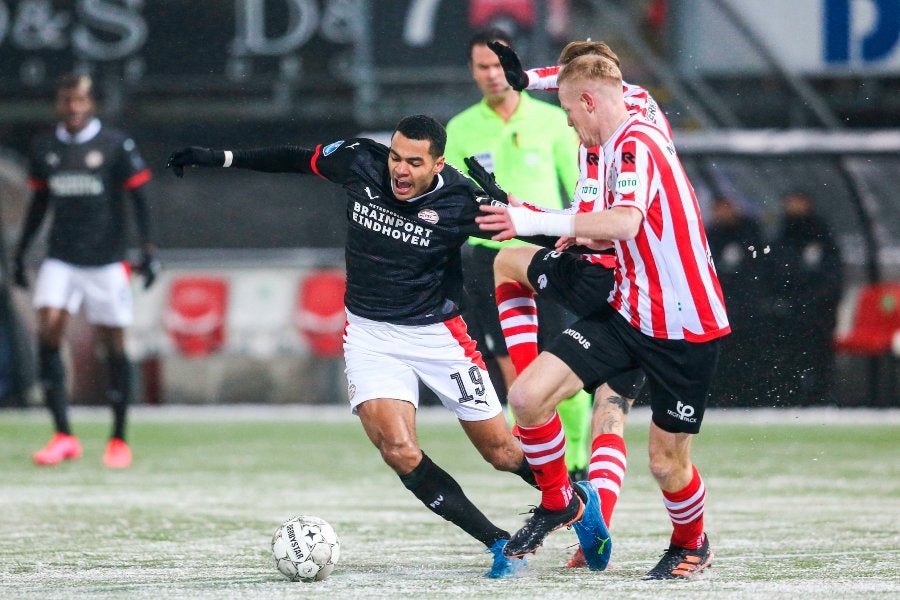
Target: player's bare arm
616, 223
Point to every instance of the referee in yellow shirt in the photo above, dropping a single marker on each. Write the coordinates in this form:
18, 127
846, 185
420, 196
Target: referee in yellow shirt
529, 147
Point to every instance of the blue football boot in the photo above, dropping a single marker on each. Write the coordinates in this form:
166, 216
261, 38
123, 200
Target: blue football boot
503, 566
592, 532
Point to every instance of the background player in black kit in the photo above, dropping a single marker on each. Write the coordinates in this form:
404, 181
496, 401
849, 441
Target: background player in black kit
82, 170
407, 216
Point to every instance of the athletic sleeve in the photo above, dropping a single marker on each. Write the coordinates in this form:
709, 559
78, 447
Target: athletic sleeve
333, 162
40, 199
141, 215
543, 78
37, 169
633, 168
133, 169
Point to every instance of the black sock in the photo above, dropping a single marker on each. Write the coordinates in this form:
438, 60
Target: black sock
524, 471
119, 392
53, 379
442, 495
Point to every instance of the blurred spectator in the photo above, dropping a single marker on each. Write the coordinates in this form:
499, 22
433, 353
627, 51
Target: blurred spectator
737, 249
807, 290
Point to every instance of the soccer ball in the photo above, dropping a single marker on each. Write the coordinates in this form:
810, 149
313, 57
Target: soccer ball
305, 548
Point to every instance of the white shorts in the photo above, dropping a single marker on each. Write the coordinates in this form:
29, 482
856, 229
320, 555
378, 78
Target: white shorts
388, 361
105, 291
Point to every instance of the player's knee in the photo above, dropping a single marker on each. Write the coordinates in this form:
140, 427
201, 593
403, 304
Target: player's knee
511, 263
401, 456
665, 466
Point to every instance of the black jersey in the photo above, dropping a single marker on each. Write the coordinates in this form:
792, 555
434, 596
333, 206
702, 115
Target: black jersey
84, 178
403, 258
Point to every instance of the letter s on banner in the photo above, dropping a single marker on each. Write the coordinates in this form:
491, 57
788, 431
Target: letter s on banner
125, 22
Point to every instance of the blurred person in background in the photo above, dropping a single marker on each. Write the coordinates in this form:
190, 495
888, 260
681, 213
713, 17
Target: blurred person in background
530, 149
741, 256
807, 290
82, 171
407, 219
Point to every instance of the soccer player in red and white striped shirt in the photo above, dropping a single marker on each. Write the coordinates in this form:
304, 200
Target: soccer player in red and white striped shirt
665, 314
520, 271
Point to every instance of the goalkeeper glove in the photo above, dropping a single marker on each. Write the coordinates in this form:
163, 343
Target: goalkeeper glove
512, 67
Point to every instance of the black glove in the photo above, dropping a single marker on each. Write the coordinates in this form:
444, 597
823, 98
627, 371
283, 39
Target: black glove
149, 268
485, 180
512, 67
194, 156
19, 276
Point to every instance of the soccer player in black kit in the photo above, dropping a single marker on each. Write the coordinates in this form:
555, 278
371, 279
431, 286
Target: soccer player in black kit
82, 170
407, 216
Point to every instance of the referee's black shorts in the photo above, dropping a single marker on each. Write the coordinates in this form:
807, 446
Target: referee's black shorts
604, 345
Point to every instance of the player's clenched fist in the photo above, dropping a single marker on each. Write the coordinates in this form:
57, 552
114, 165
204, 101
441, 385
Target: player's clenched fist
194, 156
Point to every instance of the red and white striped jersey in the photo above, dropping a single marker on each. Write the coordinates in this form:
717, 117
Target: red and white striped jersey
589, 189
666, 283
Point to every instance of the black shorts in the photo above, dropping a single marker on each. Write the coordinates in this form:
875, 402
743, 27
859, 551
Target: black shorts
583, 288
604, 345
580, 286
480, 308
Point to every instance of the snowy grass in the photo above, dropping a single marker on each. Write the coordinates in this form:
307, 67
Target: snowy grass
800, 504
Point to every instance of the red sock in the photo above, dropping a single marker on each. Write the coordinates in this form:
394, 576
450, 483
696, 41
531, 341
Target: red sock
686, 511
519, 321
545, 450
606, 471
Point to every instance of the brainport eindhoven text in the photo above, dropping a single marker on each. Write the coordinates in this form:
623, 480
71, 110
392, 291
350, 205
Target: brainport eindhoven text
391, 225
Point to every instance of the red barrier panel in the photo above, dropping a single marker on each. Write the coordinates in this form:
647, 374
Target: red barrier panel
875, 321
195, 316
320, 315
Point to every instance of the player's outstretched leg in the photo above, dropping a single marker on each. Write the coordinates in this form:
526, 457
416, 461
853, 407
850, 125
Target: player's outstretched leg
593, 535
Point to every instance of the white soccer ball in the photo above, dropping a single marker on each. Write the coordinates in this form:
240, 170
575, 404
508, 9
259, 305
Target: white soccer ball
305, 548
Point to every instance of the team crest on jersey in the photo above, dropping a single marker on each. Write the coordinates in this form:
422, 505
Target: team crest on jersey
52, 159
331, 147
428, 215
93, 159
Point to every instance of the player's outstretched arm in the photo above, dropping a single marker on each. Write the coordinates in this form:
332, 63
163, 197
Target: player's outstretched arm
512, 66
274, 159
195, 156
520, 79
